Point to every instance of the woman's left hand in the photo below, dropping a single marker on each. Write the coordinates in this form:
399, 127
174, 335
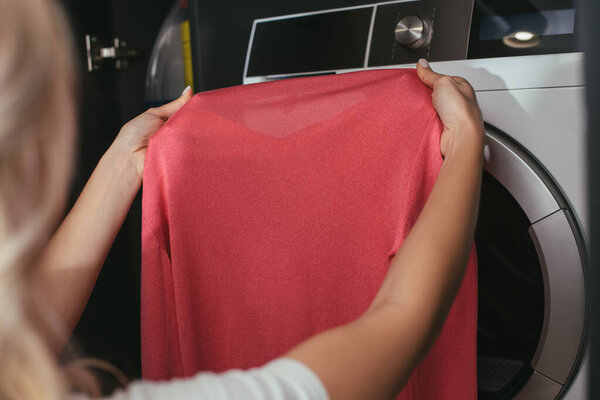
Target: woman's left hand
133, 136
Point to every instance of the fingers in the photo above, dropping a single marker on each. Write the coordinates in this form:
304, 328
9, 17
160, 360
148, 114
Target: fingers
166, 110
430, 77
426, 74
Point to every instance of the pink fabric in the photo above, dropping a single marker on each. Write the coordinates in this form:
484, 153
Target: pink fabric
271, 212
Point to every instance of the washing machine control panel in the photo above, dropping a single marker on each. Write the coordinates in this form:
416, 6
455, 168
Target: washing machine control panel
401, 32
372, 35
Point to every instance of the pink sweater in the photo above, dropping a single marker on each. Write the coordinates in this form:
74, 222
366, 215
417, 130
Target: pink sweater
271, 212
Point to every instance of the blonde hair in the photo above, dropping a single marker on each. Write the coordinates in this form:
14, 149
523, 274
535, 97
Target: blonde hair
37, 132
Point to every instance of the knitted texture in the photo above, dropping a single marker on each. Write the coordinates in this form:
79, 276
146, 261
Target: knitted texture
271, 212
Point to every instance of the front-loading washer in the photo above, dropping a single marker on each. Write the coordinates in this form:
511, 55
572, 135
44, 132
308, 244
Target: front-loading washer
522, 60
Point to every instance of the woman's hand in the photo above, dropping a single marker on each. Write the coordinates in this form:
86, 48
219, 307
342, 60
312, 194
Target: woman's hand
69, 264
454, 100
134, 135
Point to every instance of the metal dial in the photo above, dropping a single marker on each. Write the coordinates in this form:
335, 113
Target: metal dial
412, 31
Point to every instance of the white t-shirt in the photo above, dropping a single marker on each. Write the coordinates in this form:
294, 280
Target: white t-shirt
280, 379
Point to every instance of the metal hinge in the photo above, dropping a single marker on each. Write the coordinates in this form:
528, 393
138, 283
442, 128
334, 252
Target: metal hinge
118, 54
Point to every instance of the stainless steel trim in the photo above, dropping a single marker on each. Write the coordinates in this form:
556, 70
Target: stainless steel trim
518, 178
560, 259
564, 288
304, 14
370, 37
539, 387
250, 42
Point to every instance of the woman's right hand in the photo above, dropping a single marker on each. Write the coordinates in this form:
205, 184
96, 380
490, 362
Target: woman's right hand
455, 102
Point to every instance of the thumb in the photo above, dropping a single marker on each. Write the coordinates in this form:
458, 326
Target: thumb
426, 74
166, 110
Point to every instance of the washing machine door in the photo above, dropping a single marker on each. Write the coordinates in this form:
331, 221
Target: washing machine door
531, 278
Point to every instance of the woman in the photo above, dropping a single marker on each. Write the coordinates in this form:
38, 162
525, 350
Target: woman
44, 284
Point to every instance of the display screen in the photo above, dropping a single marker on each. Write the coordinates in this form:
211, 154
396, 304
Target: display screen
502, 28
317, 42
541, 23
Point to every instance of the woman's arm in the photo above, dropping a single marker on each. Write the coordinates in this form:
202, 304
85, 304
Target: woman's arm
372, 357
70, 263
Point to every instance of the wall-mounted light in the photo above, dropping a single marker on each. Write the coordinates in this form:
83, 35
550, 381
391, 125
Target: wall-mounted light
521, 39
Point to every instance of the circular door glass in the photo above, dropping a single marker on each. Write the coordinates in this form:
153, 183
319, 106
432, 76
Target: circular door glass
511, 294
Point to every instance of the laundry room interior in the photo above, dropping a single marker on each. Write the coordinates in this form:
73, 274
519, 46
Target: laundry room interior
334, 199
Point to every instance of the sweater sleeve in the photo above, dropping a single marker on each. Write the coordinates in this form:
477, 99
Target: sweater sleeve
425, 170
451, 364
281, 379
422, 175
157, 293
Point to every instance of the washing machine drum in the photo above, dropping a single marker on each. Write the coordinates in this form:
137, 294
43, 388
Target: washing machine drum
531, 278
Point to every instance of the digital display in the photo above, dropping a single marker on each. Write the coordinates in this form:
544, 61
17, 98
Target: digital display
539, 23
318, 42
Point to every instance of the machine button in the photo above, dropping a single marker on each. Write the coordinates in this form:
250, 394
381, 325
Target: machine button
412, 31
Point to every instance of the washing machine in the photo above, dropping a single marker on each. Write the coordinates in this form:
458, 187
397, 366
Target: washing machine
523, 60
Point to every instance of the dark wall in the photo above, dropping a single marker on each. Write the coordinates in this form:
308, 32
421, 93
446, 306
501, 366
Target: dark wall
591, 33
109, 327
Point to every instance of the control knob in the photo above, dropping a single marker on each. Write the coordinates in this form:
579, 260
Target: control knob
412, 31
